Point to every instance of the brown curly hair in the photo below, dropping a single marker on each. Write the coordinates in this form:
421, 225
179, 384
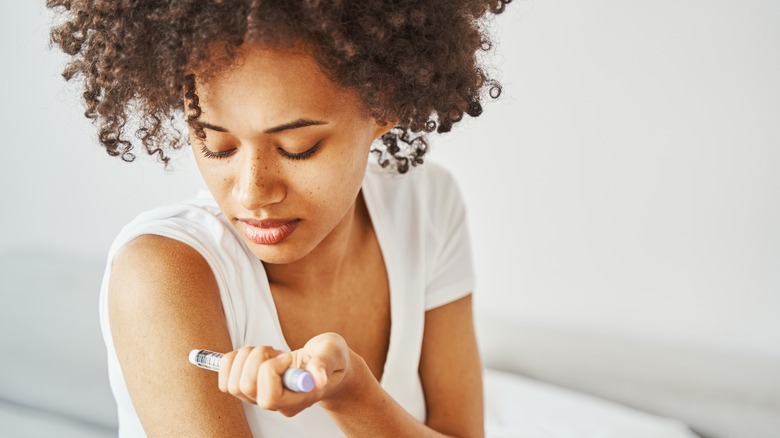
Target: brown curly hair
411, 61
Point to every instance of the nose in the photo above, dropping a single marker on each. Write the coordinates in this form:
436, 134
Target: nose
258, 184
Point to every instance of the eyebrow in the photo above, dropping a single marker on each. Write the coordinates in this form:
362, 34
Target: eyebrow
300, 123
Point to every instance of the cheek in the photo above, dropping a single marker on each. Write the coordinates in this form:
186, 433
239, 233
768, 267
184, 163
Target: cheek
330, 188
215, 177
334, 185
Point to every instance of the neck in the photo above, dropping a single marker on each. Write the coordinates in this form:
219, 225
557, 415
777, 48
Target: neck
321, 269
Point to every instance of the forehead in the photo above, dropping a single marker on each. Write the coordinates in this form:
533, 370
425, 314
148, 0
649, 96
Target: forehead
263, 85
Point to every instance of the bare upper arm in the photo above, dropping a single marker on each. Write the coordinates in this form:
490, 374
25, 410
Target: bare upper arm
163, 301
451, 370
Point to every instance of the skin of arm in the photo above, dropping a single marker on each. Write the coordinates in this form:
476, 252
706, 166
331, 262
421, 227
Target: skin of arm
162, 300
451, 370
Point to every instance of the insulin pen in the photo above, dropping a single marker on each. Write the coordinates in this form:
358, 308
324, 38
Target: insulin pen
294, 379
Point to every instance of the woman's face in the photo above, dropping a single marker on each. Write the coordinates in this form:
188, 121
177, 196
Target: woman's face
285, 151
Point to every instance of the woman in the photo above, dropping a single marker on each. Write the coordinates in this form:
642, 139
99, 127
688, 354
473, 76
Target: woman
297, 256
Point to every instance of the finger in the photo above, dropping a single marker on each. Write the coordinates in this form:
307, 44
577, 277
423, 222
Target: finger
270, 391
248, 381
224, 370
234, 379
299, 358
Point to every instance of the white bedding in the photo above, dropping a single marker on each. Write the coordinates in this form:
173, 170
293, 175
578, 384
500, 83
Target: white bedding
23, 422
519, 407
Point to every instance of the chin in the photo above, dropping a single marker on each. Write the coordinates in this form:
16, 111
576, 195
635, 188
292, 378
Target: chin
277, 254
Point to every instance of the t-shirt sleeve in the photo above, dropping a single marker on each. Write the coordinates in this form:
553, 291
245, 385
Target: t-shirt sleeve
451, 273
200, 229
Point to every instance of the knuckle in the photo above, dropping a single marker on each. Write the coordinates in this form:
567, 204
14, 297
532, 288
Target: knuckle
247, 386
267, 352
333, 335
234, 388
227, 359
229, 355
334, 339
266, 403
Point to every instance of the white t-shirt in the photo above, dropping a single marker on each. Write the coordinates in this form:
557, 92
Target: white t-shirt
420, 223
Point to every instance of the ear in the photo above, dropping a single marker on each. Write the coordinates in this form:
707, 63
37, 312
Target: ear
384, 129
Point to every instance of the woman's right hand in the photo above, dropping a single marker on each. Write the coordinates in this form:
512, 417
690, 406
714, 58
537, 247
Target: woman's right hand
254, 374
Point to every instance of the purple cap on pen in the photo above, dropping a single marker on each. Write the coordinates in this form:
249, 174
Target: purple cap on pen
298, 380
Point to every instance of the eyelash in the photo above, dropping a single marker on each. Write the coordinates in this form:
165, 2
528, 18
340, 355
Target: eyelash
210, 154
301, 156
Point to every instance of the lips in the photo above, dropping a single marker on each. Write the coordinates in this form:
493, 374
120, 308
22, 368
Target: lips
267, 231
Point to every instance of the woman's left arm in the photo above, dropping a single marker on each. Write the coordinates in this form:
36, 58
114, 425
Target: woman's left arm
451, 370
451, 374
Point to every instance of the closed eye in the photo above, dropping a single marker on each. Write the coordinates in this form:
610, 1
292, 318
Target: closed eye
220, 154
302, 155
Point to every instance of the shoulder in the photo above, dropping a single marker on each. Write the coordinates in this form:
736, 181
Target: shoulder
155, 277
171, 249
196, 223
164, 301
166, 244
162, 260
199, 215
427, 199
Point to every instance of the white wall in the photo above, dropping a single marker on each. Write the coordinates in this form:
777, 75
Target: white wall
628, 180
61, 190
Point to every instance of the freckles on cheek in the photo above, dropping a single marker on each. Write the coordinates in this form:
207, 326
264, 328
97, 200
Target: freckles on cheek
316, 194
321, 203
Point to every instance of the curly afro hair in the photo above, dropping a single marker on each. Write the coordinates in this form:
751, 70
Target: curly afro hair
413, 62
